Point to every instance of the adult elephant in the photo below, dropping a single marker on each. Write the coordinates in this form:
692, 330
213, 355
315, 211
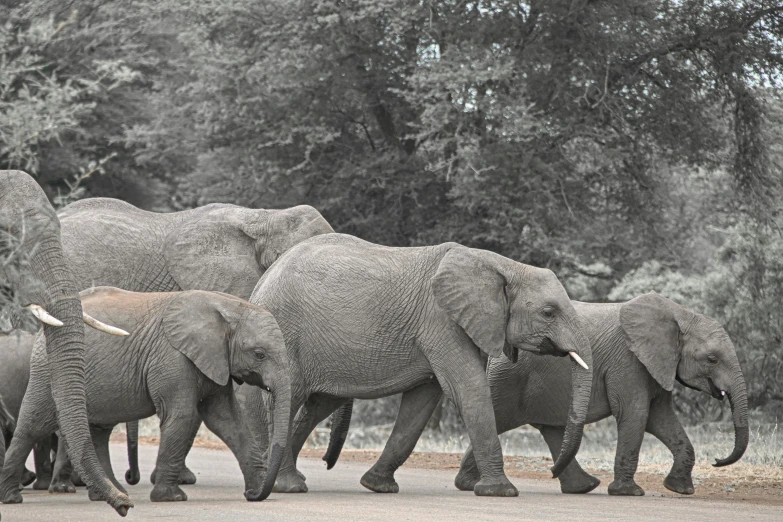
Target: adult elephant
36, 274
217, 247
639, 349
367, 321
179, 362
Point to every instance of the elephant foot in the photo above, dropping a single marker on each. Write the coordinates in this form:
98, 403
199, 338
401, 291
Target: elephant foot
629, 489
161, 493
186, 477
379, 483
578, 487
61, 486
27, 477
132, 477
290, 483
466, 480
498, 487
42, 483
681, 485
301, 475
12, 497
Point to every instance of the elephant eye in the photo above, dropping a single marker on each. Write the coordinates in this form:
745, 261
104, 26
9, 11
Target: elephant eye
548, 312
258, 354
712, 358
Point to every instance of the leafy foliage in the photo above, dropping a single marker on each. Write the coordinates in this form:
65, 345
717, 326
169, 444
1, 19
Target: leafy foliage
614, 142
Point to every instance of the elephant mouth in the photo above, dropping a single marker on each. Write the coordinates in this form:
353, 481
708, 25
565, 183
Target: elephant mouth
237, 380
714, 391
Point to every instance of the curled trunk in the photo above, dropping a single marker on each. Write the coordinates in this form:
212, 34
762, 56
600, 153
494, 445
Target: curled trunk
341, 421
738, 398
281, 420
581, 389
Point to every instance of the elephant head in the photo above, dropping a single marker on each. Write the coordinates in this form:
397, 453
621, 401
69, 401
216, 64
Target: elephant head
36, 274
227, 248
676, 343
228, 338
505, 306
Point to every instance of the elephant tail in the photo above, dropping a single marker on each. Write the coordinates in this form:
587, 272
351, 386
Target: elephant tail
132, 476
341, 421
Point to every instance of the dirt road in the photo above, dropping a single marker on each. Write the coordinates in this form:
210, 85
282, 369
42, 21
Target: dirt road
336, 495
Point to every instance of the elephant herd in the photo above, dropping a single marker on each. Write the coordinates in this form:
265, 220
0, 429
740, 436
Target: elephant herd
262, 323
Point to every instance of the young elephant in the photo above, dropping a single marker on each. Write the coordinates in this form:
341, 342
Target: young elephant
639, 348
184, 350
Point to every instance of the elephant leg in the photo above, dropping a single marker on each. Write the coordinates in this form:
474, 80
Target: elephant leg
573, 479
665, 426
508, 416
23, 442
630, 432
415, 411
222, 414
288, 480
42, 455
461, 373
100, 438
177, 431
62, 475
316, 409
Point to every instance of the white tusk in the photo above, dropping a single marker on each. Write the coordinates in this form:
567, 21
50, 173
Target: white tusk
43, 315
103, 327
722, 393
579, 360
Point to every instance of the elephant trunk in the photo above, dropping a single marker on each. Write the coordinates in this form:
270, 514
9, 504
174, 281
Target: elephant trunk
281, 420
341, 421
581, 388
132, 475
65, 352
738, 398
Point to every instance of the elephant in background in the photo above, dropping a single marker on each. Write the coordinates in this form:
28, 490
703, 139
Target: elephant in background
217, 247
7, 427
367, 321
186, 348
639, 349
15, 351
36, 275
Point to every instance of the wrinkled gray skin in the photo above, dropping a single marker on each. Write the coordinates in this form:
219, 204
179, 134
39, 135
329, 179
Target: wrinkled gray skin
367, 321
26, 212
639, 349
184, 349
15, 350
217, 247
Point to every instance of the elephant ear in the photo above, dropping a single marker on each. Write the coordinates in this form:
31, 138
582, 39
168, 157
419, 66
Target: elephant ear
650, 325
213, 251
195, 324
470, 289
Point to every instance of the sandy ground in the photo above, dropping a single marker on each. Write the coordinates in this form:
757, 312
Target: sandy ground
739, 483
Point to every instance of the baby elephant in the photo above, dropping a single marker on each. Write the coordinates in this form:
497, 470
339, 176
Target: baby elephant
639, 348
182, 353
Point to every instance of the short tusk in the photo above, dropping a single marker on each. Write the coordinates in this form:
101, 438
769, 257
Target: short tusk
43, 315
103, 327
579, 360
